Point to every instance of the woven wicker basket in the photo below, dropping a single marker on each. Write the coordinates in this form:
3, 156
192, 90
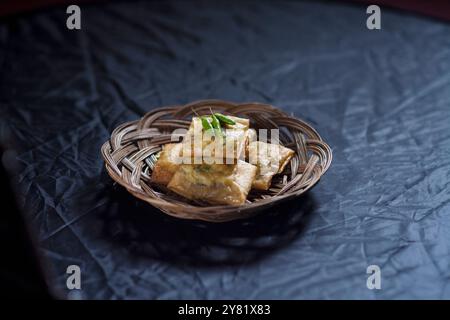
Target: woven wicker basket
133, 142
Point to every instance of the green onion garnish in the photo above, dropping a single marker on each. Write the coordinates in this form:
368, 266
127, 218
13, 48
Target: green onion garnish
224, 119
215, 122
206, 124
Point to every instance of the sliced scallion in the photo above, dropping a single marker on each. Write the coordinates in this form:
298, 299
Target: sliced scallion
224, 119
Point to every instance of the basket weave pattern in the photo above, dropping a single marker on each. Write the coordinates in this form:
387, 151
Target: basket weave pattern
131, 143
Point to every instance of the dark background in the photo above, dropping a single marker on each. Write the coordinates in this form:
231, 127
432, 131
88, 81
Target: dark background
379, 98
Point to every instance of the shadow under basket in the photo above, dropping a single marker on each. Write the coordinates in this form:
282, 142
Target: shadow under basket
131, 143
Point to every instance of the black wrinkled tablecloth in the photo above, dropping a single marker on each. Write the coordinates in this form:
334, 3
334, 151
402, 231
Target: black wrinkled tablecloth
380, 98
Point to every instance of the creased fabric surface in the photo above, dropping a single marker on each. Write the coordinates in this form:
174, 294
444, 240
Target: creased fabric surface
381, 99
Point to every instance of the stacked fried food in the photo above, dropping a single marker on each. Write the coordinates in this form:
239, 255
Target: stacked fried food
219, 161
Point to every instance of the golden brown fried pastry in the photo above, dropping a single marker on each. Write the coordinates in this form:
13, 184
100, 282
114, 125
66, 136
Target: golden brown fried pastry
240, 123
226, 146
270, 160
251, 137
167, 164
215, 184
